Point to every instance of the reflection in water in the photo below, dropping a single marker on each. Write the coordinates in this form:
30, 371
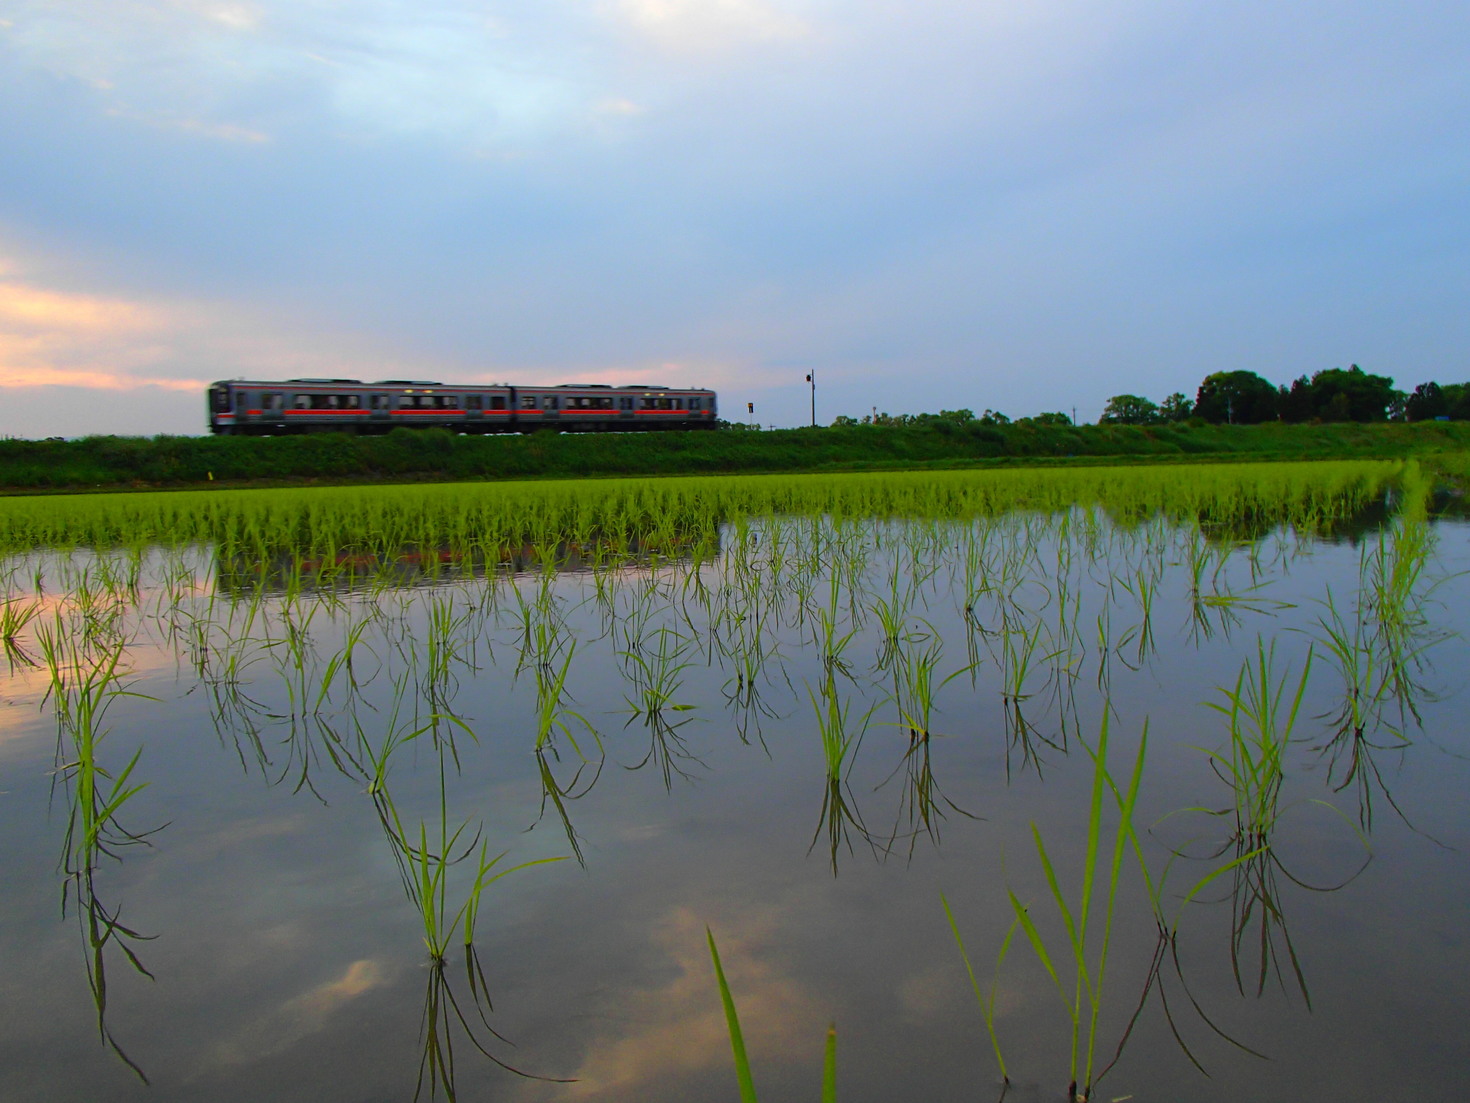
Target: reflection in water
674, 1027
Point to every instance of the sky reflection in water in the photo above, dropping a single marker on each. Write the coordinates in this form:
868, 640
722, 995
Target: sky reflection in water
288, 962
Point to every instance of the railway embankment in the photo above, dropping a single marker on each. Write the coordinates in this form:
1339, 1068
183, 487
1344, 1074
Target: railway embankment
407, 455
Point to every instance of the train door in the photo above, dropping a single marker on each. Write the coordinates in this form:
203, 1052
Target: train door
273, 409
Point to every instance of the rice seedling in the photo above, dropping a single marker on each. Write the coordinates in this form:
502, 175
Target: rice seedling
656, 673
1360, 723
1260, 721
1094, 905
840, 738
553, 715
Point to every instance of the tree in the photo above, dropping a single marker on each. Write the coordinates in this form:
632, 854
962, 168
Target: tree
1427, 402
1129, 409
1177, 407
1296, 404
1240, 397
1351, 395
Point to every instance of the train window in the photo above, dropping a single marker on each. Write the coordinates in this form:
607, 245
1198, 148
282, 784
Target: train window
626, 402
301, 402
378, 402
528, 402
405, 401
678, 403
552, 402
242, 402
472, 402
351, 402
219, 399
694, 403
604, 403
649, 404
497, 402
275, 401
449, 402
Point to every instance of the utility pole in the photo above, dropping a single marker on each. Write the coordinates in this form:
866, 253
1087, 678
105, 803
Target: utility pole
812, 379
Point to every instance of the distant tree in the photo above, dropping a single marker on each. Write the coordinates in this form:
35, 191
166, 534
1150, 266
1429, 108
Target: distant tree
1398, 406
1457, 400
1051, 417
842, 421
1177, 407
1428, 401
994, 417
1129, 409
1296, 404
1241, 397
1351, 395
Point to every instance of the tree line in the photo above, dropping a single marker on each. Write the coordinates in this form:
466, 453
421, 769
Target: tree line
1333, 395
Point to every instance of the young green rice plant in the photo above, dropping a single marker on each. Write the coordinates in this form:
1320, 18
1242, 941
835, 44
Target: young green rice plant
83, 688
656, 674
840, 737
743, 1078
830, 642
1260, 718
986, 1001
1020, 654
553, 714
1360, 724
1086, 946
425, 861
442, 648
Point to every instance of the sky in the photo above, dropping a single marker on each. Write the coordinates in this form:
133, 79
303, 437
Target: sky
1027, 205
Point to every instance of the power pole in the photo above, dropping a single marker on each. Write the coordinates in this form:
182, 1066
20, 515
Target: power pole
812, 379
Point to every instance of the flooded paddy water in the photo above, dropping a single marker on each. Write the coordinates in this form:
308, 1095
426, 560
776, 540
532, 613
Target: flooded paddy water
387, 793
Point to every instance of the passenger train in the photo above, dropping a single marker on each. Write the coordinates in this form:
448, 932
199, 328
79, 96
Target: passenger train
312, 405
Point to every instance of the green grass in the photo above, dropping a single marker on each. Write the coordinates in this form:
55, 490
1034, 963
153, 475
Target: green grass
411, 455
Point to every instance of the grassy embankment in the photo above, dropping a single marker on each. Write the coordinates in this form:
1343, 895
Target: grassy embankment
412, 455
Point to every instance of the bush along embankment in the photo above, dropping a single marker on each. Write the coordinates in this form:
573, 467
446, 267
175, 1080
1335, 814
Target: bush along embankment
407, 454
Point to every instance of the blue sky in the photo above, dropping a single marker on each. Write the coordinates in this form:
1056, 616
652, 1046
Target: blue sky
1024, 206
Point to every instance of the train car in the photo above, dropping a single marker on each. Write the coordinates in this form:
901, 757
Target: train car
313, 405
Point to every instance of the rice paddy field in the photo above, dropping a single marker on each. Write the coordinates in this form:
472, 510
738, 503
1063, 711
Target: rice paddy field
1133, 784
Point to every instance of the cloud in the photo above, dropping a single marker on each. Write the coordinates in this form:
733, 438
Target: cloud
298, 1018
707, 26
679, 1027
